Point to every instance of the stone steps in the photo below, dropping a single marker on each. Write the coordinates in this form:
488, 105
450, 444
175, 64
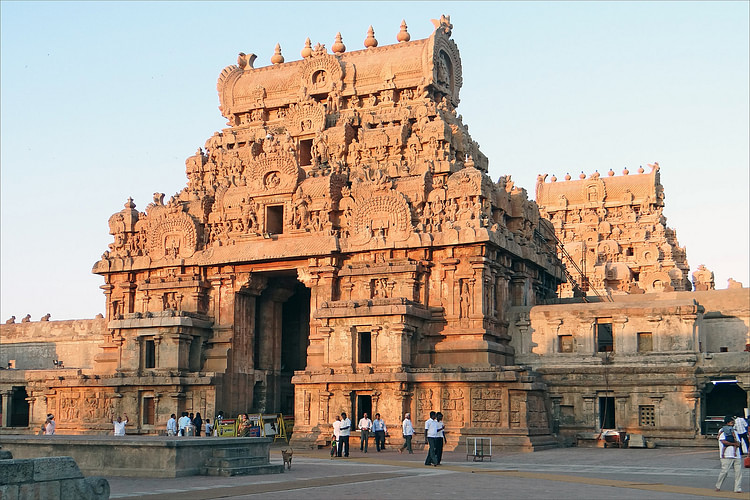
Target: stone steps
238, 462
243, 471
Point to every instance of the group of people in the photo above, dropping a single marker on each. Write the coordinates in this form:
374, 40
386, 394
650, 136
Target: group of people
183, 425
434, 435
733, 443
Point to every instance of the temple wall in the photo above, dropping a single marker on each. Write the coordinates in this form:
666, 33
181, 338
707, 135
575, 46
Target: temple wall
34, 345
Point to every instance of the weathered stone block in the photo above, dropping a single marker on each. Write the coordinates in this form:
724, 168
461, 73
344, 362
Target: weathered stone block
48, 490
16, 471
9, 492
90, 488
56, 468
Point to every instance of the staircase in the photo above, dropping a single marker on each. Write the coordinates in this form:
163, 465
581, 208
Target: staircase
238, 462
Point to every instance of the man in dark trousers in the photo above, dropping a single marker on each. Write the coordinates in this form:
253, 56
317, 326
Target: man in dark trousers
344, 432
430, 435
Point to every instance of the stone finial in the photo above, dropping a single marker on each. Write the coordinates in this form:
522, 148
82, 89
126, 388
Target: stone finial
338, 46
640, 169
10, 320
26, 319
307, 49
46, 317
277, 58
403, 35
567, 176
370, 41
581, 175
611, 172
625, 171
246, 60
553, 178
129, 204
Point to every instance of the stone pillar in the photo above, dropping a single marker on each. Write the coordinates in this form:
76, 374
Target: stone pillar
7, 397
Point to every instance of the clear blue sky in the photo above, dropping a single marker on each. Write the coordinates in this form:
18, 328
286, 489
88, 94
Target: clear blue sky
105, 100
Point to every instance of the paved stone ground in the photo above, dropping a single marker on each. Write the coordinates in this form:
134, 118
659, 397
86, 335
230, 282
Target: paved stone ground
567, 473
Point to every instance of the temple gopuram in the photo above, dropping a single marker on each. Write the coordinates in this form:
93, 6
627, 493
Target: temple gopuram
614, 232
340, 247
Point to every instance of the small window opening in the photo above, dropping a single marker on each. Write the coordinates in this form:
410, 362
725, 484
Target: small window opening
365, 347
645, 342
275, 219
647, 416
305, 152
566, 343
723, 349
149, 414
605, 341
150, 354
629, 252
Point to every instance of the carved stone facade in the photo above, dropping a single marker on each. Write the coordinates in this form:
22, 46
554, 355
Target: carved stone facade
615, 233
338, 247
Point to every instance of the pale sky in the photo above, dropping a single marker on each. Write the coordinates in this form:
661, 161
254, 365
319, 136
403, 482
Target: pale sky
105, 100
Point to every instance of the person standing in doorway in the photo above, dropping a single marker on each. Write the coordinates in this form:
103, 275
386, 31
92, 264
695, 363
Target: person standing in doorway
198, 423
119, 425
172, 425
730, 455
344, 431
408, 432
430, 436
365, 425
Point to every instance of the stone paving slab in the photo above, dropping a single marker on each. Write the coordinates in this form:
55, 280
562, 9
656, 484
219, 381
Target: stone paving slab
567, 473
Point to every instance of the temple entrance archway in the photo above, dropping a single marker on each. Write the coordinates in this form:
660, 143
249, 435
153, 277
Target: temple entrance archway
281, 332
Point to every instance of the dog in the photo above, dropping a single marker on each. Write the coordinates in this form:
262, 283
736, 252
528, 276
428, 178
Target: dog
287, 456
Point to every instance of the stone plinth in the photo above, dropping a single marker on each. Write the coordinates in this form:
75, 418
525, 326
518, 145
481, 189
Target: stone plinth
51, 478
139, 456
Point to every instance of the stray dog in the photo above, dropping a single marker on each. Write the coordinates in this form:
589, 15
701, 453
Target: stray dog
287, 456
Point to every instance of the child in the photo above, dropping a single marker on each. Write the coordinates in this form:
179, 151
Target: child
728, 431
333, 446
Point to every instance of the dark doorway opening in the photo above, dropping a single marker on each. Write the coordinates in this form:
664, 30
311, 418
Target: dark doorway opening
295, 334
364, 405
19, 408
607, 413
722, 397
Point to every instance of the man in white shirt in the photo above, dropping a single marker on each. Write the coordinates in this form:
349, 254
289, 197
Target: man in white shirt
430, 435
408, 432
365, 424
730, 455
740, 427
378, 427
172, 425
49, 427
119, 425
183, 422
344, 430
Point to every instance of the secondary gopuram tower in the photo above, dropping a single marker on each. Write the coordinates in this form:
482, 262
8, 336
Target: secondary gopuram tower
338, 247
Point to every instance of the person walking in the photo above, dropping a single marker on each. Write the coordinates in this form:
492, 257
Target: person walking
365, 425
344, 431
172, 425
198, 423
380, 430
740, 427
730, 455
119, 425
430, 436
440, 437
408, 432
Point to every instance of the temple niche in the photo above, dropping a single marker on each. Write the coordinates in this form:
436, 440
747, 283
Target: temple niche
338, 247
614, 233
